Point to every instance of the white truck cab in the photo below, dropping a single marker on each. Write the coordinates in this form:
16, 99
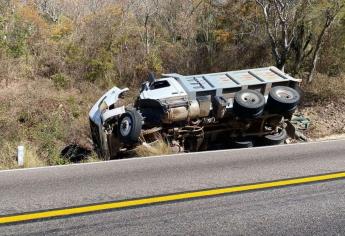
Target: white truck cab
162, 89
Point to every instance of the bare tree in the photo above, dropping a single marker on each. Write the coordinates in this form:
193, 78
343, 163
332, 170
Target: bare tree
330, 13
301, 46
145, 10
178, 18
52, 9
281, 17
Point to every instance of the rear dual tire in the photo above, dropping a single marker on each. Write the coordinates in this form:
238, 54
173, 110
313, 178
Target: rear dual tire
248, 103
283, 100
251, 103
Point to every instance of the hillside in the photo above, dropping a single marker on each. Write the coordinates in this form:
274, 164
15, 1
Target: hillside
58, 57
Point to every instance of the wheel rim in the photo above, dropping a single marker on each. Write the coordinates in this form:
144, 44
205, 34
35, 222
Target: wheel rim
125, 126
285, 94
250, 98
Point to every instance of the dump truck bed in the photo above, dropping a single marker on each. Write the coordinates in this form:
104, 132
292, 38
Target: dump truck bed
218, 84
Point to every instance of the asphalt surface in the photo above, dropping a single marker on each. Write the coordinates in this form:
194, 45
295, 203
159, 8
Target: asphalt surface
306, 209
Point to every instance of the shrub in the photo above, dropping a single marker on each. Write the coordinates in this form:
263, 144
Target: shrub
100, 67
61, 81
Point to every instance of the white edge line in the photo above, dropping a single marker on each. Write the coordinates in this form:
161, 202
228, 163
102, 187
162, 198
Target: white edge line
172, 155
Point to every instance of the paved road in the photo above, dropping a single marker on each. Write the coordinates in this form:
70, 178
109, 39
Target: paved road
315, 208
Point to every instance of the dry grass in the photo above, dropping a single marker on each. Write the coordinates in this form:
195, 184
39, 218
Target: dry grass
324, 104
325, 88
156, 148
92, 158
8, 155
45, 118
8, 159
32, 159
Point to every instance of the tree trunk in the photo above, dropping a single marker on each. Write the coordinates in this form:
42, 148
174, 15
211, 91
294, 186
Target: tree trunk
317, 52
313, 68
147, 43
330, 17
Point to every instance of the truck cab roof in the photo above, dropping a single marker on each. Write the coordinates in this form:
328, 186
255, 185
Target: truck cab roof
162, 89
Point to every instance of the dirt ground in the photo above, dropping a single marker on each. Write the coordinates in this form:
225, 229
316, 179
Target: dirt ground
327, 119
323, 102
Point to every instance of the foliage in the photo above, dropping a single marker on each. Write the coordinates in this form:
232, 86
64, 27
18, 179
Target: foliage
99, 67
62, 29
56, 57
61, 81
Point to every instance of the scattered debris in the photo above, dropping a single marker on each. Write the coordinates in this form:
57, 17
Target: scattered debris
300, 122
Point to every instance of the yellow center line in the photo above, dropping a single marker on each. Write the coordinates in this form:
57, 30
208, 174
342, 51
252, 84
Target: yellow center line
166, 198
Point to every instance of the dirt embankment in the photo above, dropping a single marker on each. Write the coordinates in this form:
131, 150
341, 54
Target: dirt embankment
326, 119
47, 119
324, 105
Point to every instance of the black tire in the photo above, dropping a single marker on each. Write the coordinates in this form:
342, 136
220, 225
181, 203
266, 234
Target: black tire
282, 100
248, 103
129, 126
242, 143
275, 139
301, 94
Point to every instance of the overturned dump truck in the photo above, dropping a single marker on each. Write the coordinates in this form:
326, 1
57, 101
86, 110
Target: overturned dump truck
198, 112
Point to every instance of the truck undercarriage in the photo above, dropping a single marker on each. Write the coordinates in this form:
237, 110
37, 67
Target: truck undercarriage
196, 113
